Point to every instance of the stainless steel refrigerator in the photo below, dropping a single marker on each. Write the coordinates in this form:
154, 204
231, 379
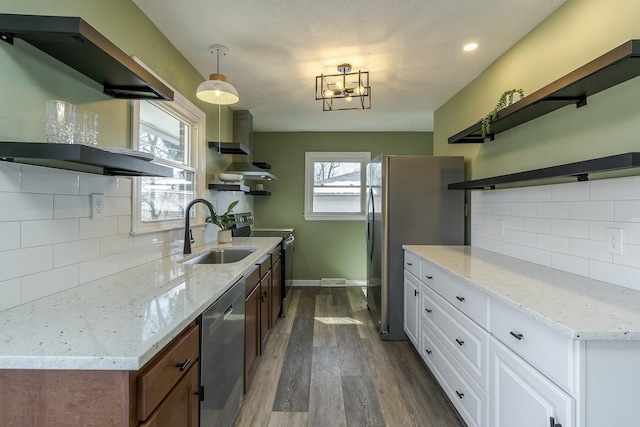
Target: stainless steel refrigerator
408, 203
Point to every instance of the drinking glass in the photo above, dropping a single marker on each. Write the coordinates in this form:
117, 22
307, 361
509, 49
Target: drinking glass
60, 122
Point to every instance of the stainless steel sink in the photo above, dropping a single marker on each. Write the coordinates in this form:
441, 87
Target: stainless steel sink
221, 256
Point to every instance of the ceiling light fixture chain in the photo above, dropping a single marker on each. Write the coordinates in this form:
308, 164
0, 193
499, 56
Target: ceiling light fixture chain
338, 90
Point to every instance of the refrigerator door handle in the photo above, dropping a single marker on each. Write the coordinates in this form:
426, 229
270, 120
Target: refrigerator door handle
370, 218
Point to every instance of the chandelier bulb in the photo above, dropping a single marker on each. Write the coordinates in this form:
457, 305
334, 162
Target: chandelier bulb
328, 93
348, 98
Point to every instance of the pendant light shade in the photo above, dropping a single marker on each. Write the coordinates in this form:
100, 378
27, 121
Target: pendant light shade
216, 90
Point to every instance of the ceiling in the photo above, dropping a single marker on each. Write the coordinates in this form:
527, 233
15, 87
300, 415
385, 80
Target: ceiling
411, 48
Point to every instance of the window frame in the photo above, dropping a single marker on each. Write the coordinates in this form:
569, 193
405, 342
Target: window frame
189, 113
311, 157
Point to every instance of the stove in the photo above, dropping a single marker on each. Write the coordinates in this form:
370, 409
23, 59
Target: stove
242, 228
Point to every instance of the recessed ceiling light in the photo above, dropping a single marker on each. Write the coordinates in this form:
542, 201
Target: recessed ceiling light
470, 46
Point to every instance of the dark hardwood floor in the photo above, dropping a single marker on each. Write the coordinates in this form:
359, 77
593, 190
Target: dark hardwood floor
324, 365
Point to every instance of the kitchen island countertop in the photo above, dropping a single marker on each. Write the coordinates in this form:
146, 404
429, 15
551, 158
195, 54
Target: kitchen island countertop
575, 306
121, 321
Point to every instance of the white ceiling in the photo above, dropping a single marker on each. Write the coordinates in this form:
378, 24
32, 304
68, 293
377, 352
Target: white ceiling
412, 49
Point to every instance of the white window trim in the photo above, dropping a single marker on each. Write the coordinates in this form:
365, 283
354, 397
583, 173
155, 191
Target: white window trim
321, 156
184, 108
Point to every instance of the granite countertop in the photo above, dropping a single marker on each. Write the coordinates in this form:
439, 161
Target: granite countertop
575, 306
121, 321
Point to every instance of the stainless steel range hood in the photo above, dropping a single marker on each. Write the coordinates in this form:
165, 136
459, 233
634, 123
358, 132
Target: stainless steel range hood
243, 135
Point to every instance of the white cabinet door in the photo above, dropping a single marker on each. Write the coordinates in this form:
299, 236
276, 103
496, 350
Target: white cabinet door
411, 307
521, 396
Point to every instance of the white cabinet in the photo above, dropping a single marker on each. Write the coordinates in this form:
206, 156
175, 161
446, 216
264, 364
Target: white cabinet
411, 307
521, 396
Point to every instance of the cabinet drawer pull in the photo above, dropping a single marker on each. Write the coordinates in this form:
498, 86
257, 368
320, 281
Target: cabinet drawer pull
409, 264
460, 298
183, 365
429, 277
428, 351
427, 310
516, 336
552, 422
460, 395
415, 292
459, 341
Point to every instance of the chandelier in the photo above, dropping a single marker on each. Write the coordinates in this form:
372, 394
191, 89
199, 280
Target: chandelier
344, 91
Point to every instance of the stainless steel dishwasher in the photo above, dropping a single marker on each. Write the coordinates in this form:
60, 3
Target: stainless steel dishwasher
222, 358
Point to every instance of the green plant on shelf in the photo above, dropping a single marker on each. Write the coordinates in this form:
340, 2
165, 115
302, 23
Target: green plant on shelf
506, 99
225, 220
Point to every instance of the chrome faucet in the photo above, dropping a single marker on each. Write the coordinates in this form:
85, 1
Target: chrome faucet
187, 230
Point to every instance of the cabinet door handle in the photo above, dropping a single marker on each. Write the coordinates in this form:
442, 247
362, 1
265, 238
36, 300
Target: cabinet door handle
428, 351
429, 277
460, 395
409, 264
460, 298
183, 365
415, 292
552, 422
427, 310
516, 336
200, 393
459, 341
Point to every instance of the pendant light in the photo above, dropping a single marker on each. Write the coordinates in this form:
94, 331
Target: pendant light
216, 90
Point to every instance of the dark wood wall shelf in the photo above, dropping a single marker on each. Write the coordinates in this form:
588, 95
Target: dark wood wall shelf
259, 193
229, 187
77, 44
80, 158
229, 147
612, 68
579, 170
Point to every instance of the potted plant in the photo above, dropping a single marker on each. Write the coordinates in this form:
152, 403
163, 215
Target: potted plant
225, 221
509, 97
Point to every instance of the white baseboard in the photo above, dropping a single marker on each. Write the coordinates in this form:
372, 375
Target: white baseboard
319, 283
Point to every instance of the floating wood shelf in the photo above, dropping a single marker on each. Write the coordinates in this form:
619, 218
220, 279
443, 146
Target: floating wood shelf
229, 147
74, 42
229, 187
259, 193
612, 68
579, 170
81, 158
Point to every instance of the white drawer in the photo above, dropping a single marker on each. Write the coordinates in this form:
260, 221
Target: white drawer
468, 398
548, 351
470, 301
466, 341
412, 263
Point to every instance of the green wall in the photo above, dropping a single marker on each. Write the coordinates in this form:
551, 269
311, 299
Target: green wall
578, 32
323, 248
30, 77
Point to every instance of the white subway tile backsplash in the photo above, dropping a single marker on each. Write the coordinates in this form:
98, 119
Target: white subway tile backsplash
537, 256
563, 226
37, 179
124, 187
116, 244
21, 262
162, 250
627, 188
144, 240
115, 206
621, 275
92, 228
553, 210
75, 252
49, 282
10, 292
10, 174
132, 259
98, 184
25, 206
124, 224
627, 210
98, 268
10, 232
537, 225
568, 192
570, 228
553, 243
537, 194
71, 206
47, 232
595, 211
570, 263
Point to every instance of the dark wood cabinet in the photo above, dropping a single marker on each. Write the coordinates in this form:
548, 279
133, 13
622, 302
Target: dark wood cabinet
276, 288
265, 309
251, 327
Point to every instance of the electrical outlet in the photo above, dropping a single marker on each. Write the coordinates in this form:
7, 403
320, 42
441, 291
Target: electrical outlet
614, 240
97, 206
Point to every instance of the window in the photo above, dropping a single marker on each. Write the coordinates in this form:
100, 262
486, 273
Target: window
174, 132
335, 185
